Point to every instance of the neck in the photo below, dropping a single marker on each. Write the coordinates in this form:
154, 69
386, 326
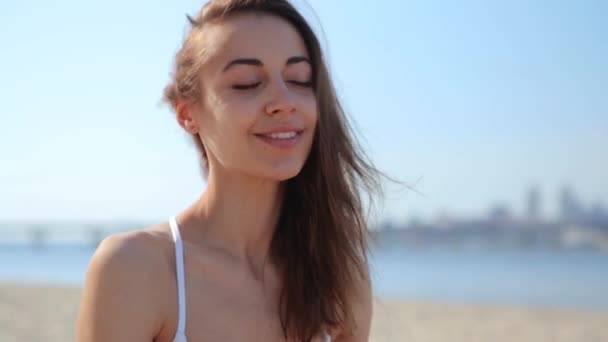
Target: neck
238, 214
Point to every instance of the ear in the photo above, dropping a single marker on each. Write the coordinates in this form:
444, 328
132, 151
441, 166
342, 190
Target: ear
185, 118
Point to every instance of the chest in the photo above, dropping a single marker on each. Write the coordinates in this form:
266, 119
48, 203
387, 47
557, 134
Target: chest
223, 304
230, 311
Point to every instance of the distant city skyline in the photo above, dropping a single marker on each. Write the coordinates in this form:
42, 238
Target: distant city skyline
533, 204
476, 100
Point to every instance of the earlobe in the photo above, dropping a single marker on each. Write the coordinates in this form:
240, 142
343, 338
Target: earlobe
184, 118
190, 126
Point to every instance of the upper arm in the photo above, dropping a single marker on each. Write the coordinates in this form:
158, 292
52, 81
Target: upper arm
118, 302
361, 299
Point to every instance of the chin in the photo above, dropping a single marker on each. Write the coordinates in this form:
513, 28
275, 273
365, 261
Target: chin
283, 175
282, 172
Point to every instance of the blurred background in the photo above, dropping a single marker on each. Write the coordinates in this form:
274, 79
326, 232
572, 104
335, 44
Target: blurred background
496, 112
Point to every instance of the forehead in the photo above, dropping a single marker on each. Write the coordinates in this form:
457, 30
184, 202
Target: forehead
257, 35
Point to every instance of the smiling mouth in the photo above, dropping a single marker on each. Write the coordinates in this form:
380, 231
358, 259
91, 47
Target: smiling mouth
286, 139
281, 135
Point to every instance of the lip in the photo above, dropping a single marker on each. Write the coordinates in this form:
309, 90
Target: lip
282, 129
282, 143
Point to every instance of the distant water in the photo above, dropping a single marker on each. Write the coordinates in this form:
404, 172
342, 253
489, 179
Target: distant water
545, 278
576, 279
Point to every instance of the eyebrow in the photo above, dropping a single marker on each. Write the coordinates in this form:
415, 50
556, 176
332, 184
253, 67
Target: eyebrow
257, 62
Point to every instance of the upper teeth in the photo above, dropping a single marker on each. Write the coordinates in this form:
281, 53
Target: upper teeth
282, 135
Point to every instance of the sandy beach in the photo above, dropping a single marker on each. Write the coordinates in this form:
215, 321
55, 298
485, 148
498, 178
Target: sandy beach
34, 314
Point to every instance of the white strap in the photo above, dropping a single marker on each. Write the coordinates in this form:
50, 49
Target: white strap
179, 266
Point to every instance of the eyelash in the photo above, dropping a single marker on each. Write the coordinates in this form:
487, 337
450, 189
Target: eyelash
254, 85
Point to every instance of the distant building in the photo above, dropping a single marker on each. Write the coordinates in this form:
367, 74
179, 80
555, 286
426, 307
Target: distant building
533, 204
571, 210
598, 216
500, 215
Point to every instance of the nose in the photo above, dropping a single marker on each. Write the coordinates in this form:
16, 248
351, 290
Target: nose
281, 101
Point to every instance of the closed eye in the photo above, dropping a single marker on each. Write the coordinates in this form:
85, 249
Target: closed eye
302, 84
246, 86
255, 85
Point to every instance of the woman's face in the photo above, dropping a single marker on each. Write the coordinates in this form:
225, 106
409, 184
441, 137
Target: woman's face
258, 112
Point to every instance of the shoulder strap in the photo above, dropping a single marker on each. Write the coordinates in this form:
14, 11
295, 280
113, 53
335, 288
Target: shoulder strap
179, 267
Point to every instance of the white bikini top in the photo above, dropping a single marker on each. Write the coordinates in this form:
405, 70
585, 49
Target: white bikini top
180, 334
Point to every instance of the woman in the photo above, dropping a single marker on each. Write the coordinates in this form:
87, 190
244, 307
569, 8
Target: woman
275, 247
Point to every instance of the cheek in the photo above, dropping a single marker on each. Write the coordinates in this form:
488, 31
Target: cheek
238, 117
231, 112
226, 126
312, 112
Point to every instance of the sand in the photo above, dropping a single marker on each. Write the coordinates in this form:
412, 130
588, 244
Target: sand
29, 314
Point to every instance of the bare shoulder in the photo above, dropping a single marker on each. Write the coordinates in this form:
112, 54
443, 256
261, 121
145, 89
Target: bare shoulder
123, 293
142, 248
137, 255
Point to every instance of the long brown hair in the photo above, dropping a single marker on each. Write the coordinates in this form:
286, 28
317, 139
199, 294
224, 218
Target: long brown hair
321, 240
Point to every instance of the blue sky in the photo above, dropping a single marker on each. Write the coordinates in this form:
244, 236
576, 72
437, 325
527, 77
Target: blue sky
477, 99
